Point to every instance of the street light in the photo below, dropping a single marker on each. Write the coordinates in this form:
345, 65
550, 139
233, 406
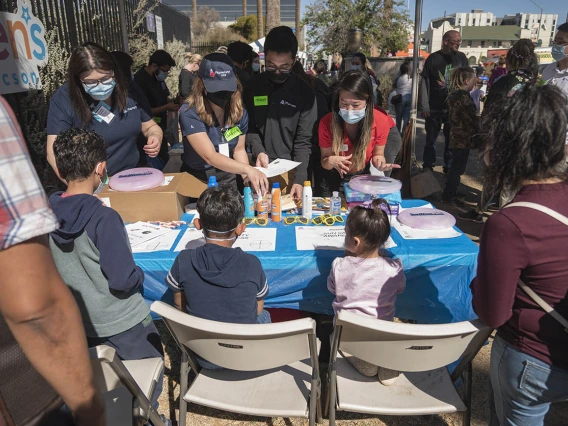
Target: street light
539, 21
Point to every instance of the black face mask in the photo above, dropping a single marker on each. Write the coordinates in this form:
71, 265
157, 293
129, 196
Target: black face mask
220, 98
277, 78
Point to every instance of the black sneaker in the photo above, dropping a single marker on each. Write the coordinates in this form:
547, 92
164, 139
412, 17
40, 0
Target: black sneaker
446, 170
427, 169
471, 216
454, 201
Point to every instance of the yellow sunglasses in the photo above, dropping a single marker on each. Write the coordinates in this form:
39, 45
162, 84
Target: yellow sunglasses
327, 219
289, 220
260, 221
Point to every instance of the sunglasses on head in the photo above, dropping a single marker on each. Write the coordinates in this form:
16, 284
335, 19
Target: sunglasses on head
289, 220
327, 219
260, 221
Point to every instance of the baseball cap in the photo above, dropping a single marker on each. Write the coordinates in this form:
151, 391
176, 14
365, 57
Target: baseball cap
218, 73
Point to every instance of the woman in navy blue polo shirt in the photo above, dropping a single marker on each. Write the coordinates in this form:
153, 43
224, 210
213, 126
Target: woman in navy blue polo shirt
214, 123
95, 97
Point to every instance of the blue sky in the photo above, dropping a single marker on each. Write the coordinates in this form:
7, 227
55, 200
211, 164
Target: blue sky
435, 8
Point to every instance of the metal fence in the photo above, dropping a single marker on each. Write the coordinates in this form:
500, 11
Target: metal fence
75, 22
206, 47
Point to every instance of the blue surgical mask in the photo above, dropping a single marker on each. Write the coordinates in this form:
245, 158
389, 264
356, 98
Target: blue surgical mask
356, 67
559, 52
255, 67
101, 91
352, 116
103, 180
162, 75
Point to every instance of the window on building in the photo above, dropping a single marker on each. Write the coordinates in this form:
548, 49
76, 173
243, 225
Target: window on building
489, 21
469, 43
474, 22
499, 43
554, 22
495, 44
482, 43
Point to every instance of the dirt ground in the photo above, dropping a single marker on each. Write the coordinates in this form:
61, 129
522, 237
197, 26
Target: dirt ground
470, 189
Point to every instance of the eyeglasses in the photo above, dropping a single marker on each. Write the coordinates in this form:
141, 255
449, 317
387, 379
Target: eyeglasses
289, 220
91, 84
260, 221
327, 219
285, 69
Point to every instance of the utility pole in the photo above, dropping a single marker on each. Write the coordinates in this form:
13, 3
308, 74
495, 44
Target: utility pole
539, 21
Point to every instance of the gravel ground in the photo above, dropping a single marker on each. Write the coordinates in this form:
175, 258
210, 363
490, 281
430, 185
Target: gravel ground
470, 188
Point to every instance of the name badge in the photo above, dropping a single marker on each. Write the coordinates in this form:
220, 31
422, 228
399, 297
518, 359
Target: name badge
260, 101
232, 133
224, 149
345, 147
102, 113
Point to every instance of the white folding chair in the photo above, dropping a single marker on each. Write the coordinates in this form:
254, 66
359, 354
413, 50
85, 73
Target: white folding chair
127, 386
268, 369
420, 352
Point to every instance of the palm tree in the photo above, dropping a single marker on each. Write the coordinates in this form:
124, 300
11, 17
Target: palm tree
260, 18
194, 10
244, 7
272, 14
298, 34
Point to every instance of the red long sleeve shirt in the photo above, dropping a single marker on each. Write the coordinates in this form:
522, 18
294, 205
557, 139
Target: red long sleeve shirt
521, 242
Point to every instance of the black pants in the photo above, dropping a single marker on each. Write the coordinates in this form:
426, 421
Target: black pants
336, 182
459, 163
434, 124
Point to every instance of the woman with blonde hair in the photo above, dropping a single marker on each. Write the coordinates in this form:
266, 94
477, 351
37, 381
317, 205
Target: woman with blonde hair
188, 73
214, 123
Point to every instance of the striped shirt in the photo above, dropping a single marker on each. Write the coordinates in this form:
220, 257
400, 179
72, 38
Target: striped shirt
24, 213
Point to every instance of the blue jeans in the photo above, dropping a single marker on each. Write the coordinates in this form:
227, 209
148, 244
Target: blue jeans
403, 113
523, 387
263, 318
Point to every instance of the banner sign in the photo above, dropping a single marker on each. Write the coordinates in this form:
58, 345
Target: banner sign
22, 49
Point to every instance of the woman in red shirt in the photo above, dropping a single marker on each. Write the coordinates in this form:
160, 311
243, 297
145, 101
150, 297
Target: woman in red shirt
354, 133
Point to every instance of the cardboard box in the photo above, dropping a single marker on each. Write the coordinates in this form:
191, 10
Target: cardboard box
163, 203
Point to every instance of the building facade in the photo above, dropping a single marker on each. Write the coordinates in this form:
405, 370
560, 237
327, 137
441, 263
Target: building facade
539, 29
231, 10
475, 18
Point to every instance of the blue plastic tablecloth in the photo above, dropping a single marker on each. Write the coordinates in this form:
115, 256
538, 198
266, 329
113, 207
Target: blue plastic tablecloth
438, 274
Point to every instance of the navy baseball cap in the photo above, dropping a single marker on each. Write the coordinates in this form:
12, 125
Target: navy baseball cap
218, 73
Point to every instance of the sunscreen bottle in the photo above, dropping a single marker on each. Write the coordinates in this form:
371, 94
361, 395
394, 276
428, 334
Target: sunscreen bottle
307, 200
276, 210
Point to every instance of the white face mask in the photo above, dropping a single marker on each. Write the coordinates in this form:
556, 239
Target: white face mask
352, 116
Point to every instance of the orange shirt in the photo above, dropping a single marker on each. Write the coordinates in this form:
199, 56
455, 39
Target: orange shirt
382, 124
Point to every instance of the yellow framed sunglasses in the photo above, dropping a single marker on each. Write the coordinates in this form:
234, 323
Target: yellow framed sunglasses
260, 221
289, 220
327, 219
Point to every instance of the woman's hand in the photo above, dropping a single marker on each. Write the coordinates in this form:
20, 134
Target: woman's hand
258, 180
340, 163
381, 164
152, 147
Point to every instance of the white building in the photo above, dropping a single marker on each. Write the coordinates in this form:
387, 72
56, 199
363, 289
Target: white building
475, 18
540, 29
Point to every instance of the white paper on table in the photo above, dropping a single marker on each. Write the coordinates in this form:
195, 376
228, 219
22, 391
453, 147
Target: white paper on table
162, 243
192, 238
140, 232
257, 239
409, 233
325, 238
278, 167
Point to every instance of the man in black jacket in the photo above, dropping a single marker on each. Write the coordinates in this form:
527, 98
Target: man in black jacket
435, 77
282, 111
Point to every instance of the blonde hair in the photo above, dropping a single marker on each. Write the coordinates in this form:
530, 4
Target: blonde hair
459, 77
193, 58
198, 100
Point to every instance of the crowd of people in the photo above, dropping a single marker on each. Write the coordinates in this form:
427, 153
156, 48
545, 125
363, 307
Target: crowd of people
69, 279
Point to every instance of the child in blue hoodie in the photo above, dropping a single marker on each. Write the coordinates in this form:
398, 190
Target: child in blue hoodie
93, 255
215, 281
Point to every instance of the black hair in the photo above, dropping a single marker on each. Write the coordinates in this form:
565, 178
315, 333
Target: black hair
525, 138
370, 225
124, 62
93, 57
239, 52
248, 66
404, 68
521, 56
563, 27
281, 40
220, 209
320, 67
77, 153
161, 58
362, 57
